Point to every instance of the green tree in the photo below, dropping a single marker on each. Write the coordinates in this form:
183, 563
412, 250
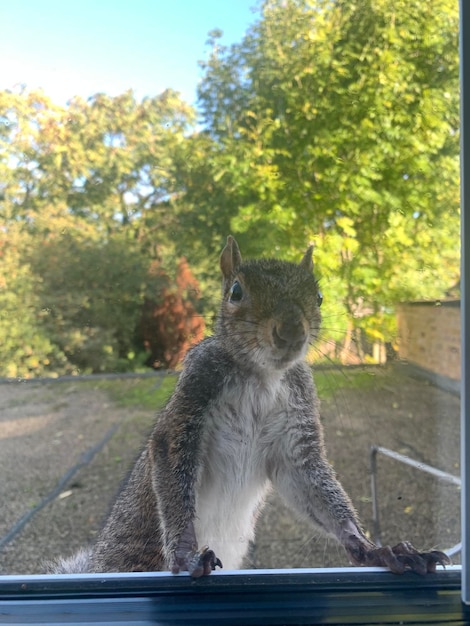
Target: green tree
101, 164
338, 122
86, 198
25, 348
91, 296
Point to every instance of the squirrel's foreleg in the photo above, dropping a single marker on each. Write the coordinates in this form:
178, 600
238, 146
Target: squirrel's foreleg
173, 481
313, 490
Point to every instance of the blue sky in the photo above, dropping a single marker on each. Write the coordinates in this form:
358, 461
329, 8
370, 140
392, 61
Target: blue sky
71, 47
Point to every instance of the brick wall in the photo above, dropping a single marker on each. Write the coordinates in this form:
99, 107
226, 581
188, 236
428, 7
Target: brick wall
429, 336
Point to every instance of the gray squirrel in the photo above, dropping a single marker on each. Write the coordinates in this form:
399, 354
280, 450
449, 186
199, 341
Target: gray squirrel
243, 419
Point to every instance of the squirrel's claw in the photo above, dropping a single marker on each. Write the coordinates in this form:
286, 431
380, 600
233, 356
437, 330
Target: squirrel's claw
397, 559
196, 562
188, 558
202, 563
436, 557
404, 557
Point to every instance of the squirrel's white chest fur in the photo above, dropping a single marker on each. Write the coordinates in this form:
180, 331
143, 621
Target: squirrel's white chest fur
233, 482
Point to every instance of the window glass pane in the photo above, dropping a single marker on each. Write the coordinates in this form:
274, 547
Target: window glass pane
319, 122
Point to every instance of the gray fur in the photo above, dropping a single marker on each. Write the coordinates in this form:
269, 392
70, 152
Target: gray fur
78, 563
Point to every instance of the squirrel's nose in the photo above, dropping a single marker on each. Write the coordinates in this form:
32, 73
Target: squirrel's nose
289, 333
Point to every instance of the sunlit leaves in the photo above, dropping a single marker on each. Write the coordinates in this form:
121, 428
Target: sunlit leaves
344, 119
332, 122
85, 210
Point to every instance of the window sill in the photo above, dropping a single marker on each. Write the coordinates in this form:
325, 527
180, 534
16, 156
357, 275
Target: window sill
313, 596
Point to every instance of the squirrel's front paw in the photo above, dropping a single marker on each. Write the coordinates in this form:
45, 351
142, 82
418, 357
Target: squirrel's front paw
198, 563
401, 557
203, 562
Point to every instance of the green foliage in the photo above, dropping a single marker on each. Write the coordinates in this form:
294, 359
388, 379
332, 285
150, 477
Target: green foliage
26, 349
331, 122
106, 308
91, 296
85, 204
100, 166
338, 123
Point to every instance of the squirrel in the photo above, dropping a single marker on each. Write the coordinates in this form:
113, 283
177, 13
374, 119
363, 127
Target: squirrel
244, 418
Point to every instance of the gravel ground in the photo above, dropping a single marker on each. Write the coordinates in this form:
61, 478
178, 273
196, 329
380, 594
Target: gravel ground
69, 443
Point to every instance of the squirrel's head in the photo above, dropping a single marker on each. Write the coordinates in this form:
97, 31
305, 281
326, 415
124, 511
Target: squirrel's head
270, 309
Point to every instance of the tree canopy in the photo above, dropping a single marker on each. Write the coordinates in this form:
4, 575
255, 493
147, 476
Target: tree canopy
335, 122
85, 221
338, 122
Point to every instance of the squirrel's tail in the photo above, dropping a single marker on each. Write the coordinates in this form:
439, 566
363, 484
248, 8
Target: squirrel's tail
78, 563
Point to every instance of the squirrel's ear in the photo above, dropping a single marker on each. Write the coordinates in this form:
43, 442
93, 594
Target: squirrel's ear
230, 259
307, 261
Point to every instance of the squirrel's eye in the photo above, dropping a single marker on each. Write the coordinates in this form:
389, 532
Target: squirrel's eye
236, 292
319, 298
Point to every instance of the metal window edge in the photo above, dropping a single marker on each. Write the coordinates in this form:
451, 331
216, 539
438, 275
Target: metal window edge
307, 596
465, 287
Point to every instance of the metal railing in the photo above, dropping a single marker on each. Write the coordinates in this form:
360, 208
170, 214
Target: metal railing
402, 458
